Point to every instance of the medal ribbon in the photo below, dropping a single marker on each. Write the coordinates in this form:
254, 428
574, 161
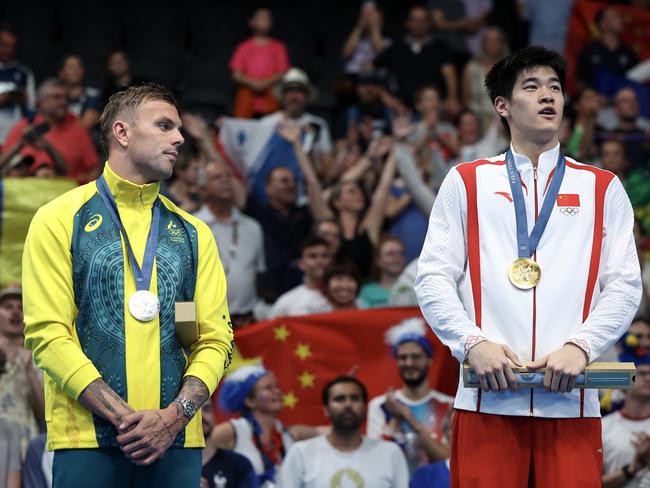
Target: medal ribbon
142, 275
527, 245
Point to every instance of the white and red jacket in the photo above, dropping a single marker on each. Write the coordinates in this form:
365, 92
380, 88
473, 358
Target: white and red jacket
590, 286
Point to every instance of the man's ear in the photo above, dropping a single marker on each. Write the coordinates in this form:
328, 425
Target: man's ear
502, 106
122, 132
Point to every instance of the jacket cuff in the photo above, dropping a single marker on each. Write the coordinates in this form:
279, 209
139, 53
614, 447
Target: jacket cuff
582, 345
471, 341
77, 382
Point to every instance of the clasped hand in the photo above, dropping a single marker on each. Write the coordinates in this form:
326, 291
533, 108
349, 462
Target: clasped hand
145, 436
493, 363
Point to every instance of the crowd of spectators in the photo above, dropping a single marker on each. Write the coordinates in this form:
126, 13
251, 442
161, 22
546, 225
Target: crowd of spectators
342, 227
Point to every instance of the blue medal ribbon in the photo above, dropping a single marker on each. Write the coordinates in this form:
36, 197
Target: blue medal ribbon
142, 275
527, 245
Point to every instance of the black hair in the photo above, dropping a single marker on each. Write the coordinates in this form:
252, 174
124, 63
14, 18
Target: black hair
342, 268
501, 78
344, 379
313, 241
598, 18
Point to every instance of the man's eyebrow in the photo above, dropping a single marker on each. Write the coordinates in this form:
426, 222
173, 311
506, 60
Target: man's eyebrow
534, 79
169, 121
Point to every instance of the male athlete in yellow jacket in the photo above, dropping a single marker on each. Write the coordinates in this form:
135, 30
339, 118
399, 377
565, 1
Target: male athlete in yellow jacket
103, 266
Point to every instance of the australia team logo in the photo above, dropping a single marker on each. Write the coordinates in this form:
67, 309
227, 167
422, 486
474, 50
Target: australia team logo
94, 222
176, 233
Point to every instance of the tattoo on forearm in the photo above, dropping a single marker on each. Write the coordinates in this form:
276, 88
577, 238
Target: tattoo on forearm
98, 391
194, 391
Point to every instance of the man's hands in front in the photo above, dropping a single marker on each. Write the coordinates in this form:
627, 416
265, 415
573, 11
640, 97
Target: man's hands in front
145, 436
562, 367
492, 363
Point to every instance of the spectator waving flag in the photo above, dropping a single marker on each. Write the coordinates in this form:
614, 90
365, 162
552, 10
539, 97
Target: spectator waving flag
257, 148
306, 352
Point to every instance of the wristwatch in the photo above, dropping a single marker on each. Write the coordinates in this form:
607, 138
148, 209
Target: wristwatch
189, 409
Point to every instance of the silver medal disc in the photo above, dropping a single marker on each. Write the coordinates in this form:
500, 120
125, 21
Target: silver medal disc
144, 305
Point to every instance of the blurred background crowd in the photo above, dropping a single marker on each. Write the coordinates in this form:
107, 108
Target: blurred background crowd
317, 135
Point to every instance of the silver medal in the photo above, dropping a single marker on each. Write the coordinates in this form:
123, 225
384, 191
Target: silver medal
144, 305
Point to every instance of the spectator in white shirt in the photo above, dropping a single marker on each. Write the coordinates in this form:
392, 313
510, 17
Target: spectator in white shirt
307, 298
239, 239
344, 457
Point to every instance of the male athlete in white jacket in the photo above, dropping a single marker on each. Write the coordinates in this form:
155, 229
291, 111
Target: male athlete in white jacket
500, 290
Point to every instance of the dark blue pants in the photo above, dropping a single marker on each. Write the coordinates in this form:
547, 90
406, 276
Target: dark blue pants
110, 468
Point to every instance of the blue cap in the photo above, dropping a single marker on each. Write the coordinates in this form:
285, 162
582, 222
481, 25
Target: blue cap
237, 386
413, 337
632, 351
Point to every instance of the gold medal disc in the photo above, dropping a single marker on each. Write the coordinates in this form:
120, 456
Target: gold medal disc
524, 273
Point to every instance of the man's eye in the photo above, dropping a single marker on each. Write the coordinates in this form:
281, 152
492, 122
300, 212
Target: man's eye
529, 87
163, 126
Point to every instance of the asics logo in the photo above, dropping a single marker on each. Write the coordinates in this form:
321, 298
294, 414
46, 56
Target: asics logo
94, 222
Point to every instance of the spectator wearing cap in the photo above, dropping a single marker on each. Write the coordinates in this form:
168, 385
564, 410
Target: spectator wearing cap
626, 432
21, 387
413, 415
371, 118
420, 59
53, 137
257, 65
295, 92
254, 394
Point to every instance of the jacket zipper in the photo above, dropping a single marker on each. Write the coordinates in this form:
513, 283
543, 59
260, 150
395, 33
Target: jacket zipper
534, 292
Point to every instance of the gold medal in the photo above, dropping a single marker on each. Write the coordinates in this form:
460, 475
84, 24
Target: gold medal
524, 273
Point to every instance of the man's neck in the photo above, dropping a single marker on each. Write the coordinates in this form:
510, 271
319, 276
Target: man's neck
14, 343
126, 170
345, 441
637, 407
532, 149
221, 209
261, 38
311, 283
627, 123
75, 90
610, 40
416, 393
51, 121
279, 206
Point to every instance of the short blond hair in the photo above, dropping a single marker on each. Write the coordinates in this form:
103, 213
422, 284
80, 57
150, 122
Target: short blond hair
128, 100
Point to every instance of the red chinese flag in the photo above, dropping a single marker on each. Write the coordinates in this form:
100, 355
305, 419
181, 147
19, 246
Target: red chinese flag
568, 200
307, 352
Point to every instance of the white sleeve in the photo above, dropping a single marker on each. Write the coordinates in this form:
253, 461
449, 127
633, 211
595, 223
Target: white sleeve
442, 263
292, 469
279, 308
400, 468
619, 277
260, 265
376, 419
